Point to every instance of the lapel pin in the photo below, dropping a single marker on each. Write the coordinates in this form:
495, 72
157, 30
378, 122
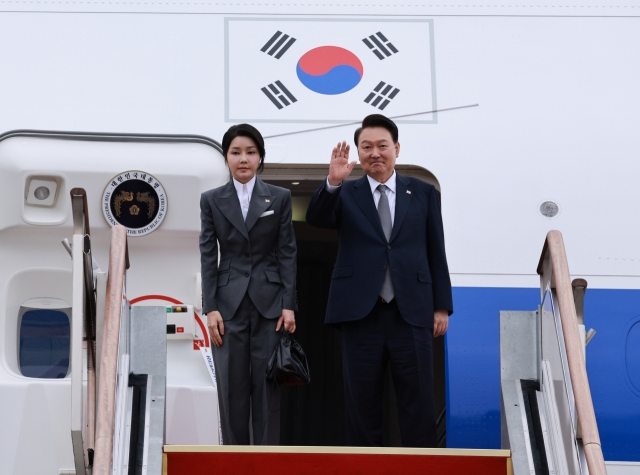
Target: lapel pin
408, 192
267, 201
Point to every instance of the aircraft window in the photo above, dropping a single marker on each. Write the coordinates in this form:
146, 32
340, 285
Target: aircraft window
44, 344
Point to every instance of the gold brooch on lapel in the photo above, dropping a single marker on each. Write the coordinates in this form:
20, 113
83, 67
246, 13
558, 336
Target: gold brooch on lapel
267, 201
408, 192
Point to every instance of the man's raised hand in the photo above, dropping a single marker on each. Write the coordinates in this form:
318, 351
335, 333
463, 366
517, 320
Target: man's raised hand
340, 168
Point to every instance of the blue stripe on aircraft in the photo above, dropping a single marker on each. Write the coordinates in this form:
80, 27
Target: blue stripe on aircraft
473, 366
613, 366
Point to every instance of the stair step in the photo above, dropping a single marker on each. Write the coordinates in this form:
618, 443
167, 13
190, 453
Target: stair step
256, 460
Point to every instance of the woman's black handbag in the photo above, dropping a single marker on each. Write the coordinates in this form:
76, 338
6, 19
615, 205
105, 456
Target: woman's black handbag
288, 364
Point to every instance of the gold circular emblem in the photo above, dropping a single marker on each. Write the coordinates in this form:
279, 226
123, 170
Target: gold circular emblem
136, 200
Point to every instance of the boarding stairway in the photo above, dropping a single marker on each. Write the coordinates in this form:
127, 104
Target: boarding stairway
548, 420
118, 415
548, 423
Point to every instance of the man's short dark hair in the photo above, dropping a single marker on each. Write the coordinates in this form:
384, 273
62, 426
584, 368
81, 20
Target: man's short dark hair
244, 130
377, 120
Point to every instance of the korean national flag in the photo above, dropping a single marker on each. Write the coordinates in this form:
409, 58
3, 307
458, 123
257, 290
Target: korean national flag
328, 70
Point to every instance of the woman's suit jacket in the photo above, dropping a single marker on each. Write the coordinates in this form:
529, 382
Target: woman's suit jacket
256, 256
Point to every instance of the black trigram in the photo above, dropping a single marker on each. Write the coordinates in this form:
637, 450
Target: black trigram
281, 44
380, 92
278, 94
380, 45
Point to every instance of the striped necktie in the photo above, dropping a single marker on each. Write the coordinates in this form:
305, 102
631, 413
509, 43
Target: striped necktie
384, 213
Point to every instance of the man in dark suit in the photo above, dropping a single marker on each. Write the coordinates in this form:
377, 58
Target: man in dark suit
390, 290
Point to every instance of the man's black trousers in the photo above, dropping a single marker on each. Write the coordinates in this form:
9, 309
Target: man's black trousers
368, 345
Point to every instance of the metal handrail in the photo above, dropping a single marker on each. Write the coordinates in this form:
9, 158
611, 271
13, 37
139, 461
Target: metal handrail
79, 205
553, 267
118, 264
81, 227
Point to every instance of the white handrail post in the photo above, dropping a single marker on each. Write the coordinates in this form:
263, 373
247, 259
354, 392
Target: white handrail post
76, 360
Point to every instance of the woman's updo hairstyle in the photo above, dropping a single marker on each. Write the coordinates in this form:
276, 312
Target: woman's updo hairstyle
244, 130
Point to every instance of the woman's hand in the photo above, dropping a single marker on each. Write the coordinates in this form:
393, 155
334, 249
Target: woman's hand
289, 319
216, 327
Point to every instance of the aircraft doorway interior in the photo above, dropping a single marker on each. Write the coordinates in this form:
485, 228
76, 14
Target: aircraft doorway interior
314, 414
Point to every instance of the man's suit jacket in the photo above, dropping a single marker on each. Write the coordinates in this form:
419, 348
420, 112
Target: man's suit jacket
257, 255
415, 250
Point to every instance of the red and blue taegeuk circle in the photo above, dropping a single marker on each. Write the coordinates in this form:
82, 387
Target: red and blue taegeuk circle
329, 70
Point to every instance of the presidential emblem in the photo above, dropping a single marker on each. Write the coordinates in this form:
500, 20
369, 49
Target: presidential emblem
136, 200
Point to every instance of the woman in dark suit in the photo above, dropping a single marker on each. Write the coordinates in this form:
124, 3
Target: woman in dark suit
250, 294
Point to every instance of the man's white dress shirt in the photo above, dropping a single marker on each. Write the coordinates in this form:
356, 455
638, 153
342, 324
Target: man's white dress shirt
391, 192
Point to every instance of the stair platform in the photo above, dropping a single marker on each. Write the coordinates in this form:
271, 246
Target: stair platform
276, 460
